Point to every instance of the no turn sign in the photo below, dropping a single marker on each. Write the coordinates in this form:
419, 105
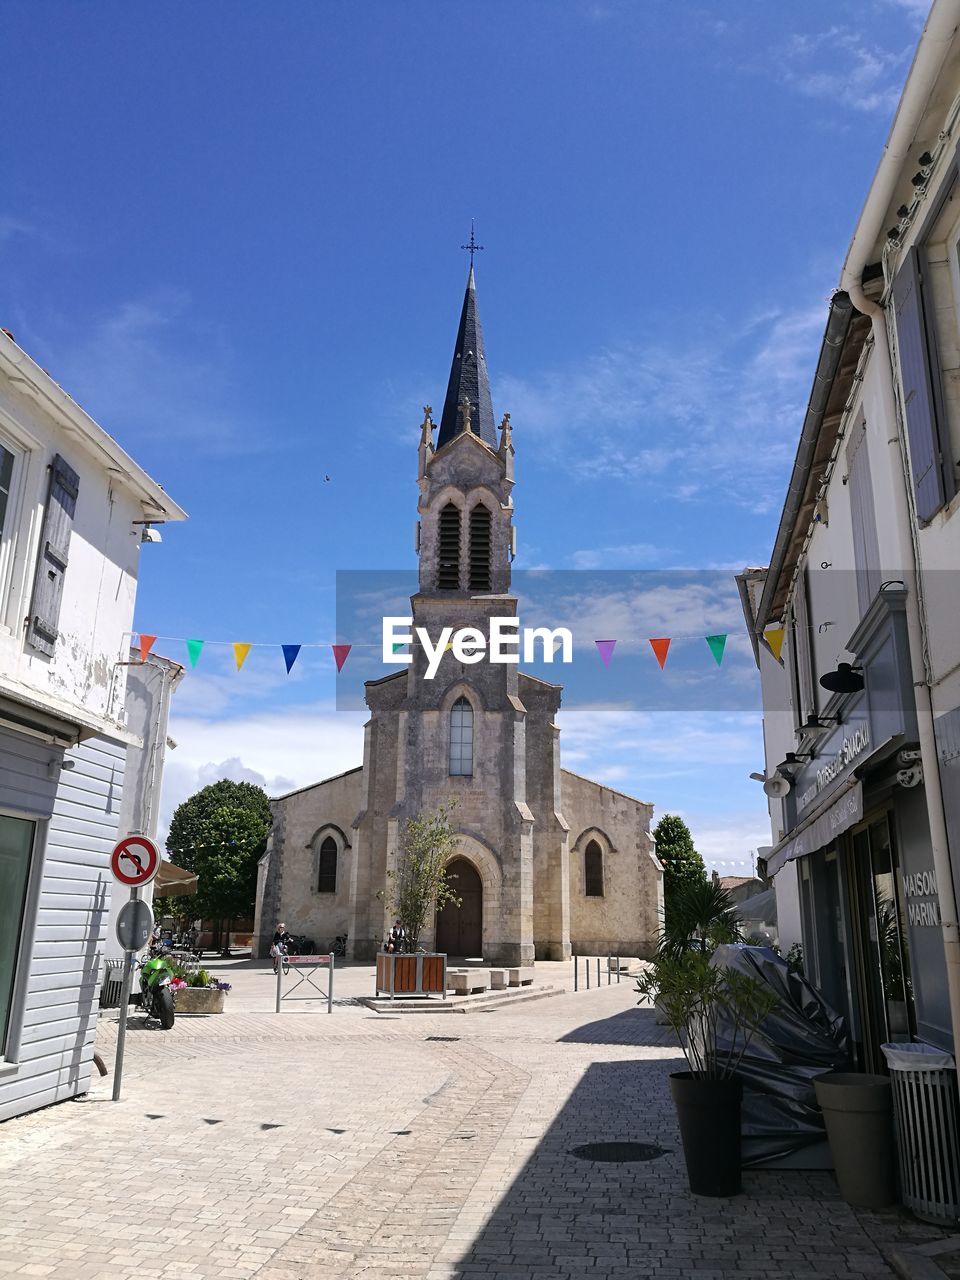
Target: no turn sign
135, 861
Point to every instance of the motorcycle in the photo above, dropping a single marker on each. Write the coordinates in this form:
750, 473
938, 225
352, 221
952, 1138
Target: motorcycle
156, 995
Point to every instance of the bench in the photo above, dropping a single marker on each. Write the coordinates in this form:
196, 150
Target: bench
498, 979
464, 981
520, 977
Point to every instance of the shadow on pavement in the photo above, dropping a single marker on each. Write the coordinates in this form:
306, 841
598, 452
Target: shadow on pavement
630, 1026
562, 1215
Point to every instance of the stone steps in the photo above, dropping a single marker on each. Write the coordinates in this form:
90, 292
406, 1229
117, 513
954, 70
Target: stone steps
489, 1002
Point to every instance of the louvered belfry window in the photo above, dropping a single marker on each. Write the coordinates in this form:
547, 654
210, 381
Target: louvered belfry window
480, 549
461, 739
448, 566
593, 870
327, 878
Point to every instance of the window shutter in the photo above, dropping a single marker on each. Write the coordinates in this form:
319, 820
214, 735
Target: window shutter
920, 375
866, 549
43, 630
448, 560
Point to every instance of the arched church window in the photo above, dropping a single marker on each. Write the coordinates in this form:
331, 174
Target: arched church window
448, 545
327, 875
461, 739
593, 870
480, 548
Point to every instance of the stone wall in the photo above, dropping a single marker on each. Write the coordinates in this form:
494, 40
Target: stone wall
626, 919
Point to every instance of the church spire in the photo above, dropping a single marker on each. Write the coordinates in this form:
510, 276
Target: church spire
468, 377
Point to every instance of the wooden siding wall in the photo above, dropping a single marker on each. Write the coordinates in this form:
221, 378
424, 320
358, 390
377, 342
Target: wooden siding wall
26, 783
60, 1014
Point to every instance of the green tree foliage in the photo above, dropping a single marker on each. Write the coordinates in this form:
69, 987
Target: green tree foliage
703, 916
220, 833
682, 865
418, 885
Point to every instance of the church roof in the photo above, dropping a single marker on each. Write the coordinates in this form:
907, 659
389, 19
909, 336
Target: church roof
468, 377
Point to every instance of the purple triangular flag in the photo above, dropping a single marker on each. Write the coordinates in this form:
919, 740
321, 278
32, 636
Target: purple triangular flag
290, 654
605, 649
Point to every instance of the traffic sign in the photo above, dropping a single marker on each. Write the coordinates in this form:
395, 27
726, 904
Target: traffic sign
135, 861
134, 924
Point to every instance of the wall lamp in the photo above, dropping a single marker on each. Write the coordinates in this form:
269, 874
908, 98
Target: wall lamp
844, 680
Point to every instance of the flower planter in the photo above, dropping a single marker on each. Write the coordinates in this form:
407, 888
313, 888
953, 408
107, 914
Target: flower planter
199, 1000
858, 1112
422, 974
709, 1116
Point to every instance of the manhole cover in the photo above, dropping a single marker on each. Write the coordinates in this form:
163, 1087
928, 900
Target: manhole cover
618, 1152
444, 1039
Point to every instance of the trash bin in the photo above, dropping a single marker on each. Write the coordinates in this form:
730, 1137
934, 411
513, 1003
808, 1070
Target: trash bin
928, 1129
858, 1113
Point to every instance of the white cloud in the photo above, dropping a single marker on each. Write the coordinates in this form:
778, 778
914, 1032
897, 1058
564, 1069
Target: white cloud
841, 67
631, 554
683, 418
277, 749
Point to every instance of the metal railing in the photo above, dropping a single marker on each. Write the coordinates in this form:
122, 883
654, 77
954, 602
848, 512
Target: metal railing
301, 966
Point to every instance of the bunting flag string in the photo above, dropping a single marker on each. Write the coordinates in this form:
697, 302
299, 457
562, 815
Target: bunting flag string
773, 639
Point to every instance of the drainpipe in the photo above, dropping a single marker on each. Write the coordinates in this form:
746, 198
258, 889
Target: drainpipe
936, 39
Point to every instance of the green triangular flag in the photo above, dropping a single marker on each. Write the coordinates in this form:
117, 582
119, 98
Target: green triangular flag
193, 651
398, 648
716, 644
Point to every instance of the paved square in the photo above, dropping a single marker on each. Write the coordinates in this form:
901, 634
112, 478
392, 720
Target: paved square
307, 1146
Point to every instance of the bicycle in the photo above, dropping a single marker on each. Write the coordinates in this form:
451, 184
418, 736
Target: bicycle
280, 955
339, 947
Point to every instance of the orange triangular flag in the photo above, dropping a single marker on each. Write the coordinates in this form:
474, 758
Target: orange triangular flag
340, 652
774, 638
240, 652
146, 644
660, 648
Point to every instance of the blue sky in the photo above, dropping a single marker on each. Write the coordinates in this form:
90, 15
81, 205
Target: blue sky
232, 233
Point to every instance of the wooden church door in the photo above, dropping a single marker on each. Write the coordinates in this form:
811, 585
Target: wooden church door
460, 929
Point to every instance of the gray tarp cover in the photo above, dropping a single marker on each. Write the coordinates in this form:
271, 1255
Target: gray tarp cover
799, 1040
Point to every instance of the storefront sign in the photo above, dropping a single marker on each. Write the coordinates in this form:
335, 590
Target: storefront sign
923, 903
821, 831
852, 745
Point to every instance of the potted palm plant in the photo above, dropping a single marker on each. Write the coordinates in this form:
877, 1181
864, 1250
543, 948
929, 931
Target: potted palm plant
692, 994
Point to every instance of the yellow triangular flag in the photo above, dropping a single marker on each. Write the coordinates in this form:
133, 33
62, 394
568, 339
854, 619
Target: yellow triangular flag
240, 652
774, 638
448, 646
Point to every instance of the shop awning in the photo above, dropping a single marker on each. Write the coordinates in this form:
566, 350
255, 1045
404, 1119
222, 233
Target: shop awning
174, 882
820, 829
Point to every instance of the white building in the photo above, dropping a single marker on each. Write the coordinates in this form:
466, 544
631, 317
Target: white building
864, 571
73, 508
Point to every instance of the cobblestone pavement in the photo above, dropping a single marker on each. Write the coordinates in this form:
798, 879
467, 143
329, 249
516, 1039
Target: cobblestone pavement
308, 1147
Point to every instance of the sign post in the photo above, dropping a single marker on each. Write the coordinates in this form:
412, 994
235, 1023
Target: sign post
134, 862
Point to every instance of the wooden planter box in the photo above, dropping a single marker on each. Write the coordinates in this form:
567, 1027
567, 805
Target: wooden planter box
423, 974
199, 1000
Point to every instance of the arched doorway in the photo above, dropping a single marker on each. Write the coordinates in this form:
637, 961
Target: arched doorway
460, 929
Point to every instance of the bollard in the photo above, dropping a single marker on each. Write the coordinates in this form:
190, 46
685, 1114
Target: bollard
586, 965
279, 980
618, 970
576, 971
330, 985
609, 978
598, 971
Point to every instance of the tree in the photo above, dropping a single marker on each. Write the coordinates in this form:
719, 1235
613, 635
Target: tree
221, 833
682, 865
418, 885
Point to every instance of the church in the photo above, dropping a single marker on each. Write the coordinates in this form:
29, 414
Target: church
548, 863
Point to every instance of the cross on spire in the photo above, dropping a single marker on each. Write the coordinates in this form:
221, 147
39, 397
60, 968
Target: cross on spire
472, 247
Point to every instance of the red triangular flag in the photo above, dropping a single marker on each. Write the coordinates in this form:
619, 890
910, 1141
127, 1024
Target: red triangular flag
660, 648
146, 644
340, 652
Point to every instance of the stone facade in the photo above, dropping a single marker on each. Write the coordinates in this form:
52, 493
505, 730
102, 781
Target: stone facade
514, 808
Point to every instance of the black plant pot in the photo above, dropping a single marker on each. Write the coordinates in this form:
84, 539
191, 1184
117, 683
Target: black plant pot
709, 1115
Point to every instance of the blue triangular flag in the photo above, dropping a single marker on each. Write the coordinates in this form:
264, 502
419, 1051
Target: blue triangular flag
290, 653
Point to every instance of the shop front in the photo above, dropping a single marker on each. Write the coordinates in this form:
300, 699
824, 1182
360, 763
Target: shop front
860, 839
